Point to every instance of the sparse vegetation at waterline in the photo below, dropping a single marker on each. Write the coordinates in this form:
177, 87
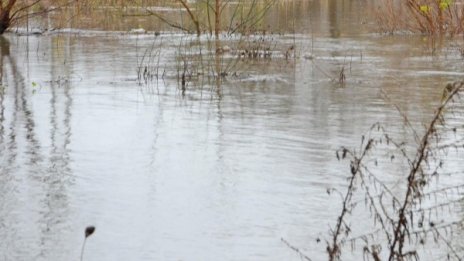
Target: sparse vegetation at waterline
404, 225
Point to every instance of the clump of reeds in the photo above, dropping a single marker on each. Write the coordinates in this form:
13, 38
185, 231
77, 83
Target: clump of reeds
149, 67
259, 46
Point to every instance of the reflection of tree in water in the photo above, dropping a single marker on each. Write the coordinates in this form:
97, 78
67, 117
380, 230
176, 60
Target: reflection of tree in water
21, 113
58, 172
334, 20
10, 164
28, 176
3, 50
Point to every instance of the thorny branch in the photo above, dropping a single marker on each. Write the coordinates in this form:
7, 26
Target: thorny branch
334, 249
415, 183
400, 220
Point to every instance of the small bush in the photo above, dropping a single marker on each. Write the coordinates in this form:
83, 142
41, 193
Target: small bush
421, 16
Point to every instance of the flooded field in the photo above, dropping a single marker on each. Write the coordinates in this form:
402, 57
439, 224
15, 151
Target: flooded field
199, 168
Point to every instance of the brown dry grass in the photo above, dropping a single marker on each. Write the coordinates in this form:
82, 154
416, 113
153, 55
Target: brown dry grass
432, 17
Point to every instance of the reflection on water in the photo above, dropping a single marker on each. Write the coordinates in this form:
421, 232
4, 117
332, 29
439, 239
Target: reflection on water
35, 171
218, 171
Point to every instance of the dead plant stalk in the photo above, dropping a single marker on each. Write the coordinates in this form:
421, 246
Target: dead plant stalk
413, 184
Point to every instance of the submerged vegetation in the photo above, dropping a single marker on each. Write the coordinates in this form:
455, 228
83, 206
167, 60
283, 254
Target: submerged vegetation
209, 61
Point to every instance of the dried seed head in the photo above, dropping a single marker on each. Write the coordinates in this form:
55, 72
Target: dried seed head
89, 231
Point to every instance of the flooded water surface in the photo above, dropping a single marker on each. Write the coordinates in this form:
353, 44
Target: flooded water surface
206, 170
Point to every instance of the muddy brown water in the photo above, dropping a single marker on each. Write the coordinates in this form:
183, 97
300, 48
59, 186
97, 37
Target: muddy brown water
220, 171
